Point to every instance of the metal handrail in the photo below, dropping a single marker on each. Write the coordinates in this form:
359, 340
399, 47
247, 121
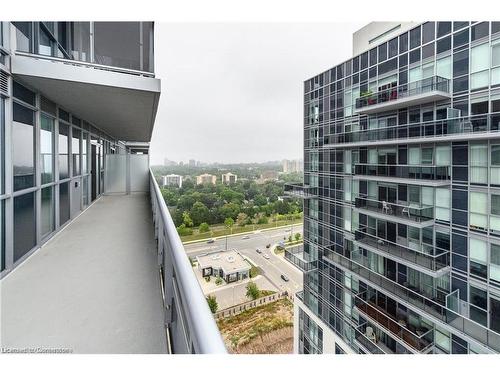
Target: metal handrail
87, 64
194, 322
419, 172
415, 212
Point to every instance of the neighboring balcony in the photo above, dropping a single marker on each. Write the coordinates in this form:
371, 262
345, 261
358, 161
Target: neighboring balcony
301, 191
419, 302
427, 90
114, 280
438, 174
414, 339
411, 212
460, 126
296, 256
368, 339
434, 264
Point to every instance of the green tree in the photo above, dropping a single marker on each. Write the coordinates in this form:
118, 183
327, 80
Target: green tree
242, 218
229, 222
212, 304
253, 291
170, 197
297, 236
260, 200
186, 219
199, 213
183, 230
204, 227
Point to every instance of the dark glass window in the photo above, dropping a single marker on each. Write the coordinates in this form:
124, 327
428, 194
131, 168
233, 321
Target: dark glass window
364, 60
459, 244
403, 43
495, 27
388, 66
22, 93
63, 115
373, 56
460, 155
459, 218
63, 151
363, 76
443, 28
427, 51
403, 60
459, 199
443, 45
459, 24
382, 52
460, 84
24, 36
495, 311
393, 47
415, 56
460, 63
461, 38
403, 77
428, 33
459, 263
23, 150
63, 203
355, 64
415, 37
118, 44
373, 72
24, 225
480, 30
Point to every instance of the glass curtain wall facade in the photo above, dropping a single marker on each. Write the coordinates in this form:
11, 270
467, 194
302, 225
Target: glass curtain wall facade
402, 143
52, 162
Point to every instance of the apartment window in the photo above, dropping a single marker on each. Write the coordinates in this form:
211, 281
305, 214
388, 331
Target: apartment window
382, 52
64, 209
480, 57
24, 36
373, 56
46, 149
443, 28
428, 32
443, 204
480, 30
495, 262
495, 62
63, 151
443, 45
478, 304
75, 150
44, 43
24, 225
479, 163
443, 67
495, 313
495, 213
23, 152
461, 38
47, 211
461, 63
415, 37
478, 216
393, 47
478, 258
495, 165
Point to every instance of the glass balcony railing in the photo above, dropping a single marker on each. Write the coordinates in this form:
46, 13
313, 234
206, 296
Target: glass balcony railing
300, 190
414, 172
415, 212
406, 91
476, 124
419, 339
432, 262
366, 337
295, 255
447, 316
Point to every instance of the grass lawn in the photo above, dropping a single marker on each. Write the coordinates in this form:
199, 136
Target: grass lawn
264, 329
220, 230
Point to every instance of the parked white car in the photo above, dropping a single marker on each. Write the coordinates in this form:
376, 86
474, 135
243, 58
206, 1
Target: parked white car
265, 256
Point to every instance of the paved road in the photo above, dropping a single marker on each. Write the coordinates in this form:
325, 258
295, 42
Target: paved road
271, 268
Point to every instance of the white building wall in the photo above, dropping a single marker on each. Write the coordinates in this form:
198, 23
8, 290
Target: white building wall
366, 37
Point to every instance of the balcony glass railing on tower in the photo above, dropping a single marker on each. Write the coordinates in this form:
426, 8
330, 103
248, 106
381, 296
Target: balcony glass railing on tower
417, 339
410, 211
301, 191
393, 97
418, 301
436, 261
296, 256
414, 172
475, 124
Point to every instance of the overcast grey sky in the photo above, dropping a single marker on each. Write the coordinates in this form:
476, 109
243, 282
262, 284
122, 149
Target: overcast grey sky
233, 92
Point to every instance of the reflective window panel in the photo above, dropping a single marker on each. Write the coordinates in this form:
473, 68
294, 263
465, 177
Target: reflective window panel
24, 224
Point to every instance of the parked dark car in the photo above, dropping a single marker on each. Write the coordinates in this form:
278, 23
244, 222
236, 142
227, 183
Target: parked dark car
285, 278
258, 251
268, 246
211, 240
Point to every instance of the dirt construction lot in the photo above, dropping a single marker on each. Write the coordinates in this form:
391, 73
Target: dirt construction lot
265, 329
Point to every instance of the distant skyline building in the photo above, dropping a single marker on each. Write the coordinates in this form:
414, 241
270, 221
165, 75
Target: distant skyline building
169, 163
172, 180
402, 194
229, 178
192, 163
205, 179
293, 166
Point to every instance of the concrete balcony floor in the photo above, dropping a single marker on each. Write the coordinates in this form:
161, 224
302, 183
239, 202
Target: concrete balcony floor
93, 288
